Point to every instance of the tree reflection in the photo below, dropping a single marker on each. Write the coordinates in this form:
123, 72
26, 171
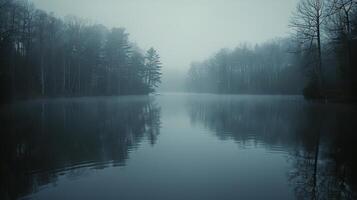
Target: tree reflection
319, 139
43, 139
324, 164
270, 121
305, 174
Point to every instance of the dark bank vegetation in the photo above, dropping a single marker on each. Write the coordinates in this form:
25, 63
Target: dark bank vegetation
43, 55
316, 60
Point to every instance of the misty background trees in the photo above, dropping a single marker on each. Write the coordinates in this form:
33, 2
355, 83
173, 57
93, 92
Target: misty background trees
43, 55
317, 59
267, 68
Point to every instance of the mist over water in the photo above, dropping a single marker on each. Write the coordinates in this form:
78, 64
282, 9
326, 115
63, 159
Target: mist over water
178, 146
178, 99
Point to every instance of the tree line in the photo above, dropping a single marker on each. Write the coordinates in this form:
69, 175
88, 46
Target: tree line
316, 60
265, 68
43, 55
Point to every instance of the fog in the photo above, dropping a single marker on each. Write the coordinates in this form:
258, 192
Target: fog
182, 30
178, 99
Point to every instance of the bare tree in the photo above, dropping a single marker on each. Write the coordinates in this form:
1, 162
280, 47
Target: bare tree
341, 28
307, 22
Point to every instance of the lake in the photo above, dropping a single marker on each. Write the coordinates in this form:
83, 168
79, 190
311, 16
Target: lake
178, 146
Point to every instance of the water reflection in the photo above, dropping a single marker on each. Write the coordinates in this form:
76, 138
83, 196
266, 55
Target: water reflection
324, 165
41, 140
320, 140
288, 148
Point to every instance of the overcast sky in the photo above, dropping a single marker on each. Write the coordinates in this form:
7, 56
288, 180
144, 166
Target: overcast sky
184, 30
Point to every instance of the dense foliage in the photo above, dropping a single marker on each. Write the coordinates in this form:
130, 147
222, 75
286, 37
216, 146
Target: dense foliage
43, 55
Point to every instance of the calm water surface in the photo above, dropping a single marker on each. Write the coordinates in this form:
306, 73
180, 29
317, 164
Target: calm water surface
178, 146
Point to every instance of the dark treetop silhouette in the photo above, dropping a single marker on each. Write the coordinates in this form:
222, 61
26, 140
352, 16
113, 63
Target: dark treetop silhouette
42, 55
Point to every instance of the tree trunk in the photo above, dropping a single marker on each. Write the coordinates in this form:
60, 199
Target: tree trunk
349, 54
319, 62
64, 77
42, 77
79, 79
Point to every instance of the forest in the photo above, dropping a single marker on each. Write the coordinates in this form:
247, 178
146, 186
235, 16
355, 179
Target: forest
178, 99
263, 69
42, 55
315, 60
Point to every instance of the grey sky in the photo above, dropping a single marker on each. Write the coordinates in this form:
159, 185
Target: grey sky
184, 30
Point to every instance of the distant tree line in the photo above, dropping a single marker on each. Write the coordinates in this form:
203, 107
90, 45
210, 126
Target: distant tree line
317, 60
266, 68
42, 55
